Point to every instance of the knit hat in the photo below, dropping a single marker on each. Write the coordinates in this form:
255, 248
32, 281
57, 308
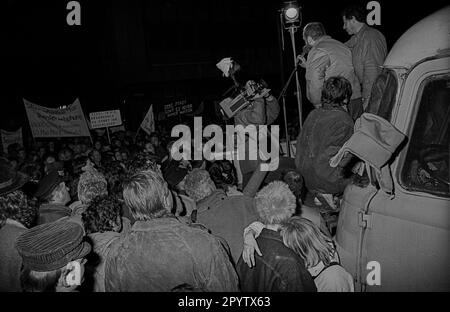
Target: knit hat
91, 184
10, 179
374, 141
51, 246
48, 184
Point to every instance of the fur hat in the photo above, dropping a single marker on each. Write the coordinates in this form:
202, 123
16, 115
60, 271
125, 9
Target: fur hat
198, 184
91, 184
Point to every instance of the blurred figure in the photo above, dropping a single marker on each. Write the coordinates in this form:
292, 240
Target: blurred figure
16, 215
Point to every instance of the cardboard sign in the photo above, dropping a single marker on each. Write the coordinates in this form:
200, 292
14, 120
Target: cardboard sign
105, 119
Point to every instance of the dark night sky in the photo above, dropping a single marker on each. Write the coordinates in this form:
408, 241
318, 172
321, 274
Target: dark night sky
158, 48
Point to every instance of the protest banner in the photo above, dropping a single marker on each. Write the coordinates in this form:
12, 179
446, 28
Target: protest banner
56, 122
11, 137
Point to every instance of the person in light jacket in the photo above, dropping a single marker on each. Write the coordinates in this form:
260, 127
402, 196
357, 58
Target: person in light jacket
328, 58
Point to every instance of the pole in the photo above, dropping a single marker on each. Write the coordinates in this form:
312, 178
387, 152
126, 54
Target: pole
109, 138
281, 43
135, 136
298, 93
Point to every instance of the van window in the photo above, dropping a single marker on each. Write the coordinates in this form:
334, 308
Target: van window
426, 166
382, 97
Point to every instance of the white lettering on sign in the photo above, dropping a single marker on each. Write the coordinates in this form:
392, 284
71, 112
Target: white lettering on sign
105, 119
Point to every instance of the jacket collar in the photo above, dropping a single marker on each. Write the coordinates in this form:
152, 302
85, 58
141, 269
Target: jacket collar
361, 31
270, 234
152, 224
321, 39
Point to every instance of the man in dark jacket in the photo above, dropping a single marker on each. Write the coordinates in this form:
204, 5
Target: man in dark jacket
54, 195
279, 268
368, 47
160, 253
325, 130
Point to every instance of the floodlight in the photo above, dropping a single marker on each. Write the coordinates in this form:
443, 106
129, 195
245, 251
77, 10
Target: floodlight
291, 13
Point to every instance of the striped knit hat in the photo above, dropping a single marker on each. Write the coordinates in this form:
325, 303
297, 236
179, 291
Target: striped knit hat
51, 246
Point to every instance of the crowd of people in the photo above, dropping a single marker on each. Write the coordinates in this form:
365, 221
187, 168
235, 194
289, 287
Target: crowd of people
124, 215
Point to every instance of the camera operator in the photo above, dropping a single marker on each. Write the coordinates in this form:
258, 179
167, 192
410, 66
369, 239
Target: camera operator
262, 110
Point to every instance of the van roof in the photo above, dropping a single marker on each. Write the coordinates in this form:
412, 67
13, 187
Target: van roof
427, 38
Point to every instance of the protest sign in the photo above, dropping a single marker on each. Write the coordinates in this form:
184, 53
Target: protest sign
11, 137
175, 108
56, 122
105, 119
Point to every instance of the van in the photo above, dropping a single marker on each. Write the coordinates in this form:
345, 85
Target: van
401, 242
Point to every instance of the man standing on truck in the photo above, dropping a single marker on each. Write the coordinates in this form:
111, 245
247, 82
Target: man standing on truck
368, 47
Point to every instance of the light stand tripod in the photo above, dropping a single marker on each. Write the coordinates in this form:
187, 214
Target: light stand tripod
283, 94
290, 16
292, 30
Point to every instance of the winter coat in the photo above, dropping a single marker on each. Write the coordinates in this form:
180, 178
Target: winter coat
228, 218
323, 134
163, 253
10, 260
328, 58
262, 111
369, 51
279, 269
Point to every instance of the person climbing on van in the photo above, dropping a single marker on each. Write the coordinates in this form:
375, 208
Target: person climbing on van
325, 130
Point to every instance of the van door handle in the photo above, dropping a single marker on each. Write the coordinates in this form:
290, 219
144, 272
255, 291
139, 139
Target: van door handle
364, 220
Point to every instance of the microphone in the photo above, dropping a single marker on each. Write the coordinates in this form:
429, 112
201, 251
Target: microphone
305, 50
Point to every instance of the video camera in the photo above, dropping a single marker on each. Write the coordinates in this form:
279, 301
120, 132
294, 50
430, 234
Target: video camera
246, 94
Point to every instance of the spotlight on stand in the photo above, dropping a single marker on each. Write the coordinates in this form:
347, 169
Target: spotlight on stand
291, 14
